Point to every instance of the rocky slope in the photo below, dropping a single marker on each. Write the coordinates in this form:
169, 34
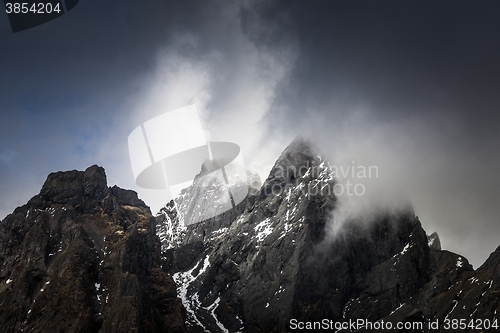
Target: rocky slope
82, 257
274, 259
456, 298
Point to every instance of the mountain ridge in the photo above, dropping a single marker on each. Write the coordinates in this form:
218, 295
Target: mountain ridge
84, 257
264, 277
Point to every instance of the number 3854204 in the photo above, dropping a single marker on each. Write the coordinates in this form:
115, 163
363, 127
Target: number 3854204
35, 8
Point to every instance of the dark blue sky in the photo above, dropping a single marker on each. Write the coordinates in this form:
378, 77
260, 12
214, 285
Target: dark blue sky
411, 87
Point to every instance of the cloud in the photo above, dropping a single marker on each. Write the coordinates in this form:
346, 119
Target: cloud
232, 88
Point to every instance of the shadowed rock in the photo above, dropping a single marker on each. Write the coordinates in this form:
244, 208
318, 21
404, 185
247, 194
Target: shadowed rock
82, 257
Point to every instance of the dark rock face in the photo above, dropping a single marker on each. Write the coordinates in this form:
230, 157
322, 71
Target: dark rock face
456, 292
361, 262
275, 258
82, 257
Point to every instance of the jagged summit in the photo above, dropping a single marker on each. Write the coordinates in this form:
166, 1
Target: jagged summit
209, 166
299, 159
299, 171
264, 241
82, 257
254, 270
300, 149
65, 184
84, 190
300, 155
74, 187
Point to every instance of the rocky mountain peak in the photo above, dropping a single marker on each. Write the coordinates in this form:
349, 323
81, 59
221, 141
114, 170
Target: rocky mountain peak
257, 249
63, 185
258, 267
209, 166
300, 146
295, 160
300, 166
82, 257
82, 189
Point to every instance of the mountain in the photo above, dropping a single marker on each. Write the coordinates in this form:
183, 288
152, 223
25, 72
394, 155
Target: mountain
276, 263
82, 257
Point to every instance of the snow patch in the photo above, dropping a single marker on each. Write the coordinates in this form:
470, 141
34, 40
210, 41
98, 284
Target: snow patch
217, 233
263, 229
473, 280
396, 309
212, 308
172, 230
183, 280
454, 306
405, 249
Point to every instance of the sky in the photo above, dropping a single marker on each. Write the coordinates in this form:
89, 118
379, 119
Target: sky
409, 87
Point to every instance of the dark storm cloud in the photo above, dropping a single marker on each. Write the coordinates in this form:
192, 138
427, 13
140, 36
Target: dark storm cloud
401, 57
